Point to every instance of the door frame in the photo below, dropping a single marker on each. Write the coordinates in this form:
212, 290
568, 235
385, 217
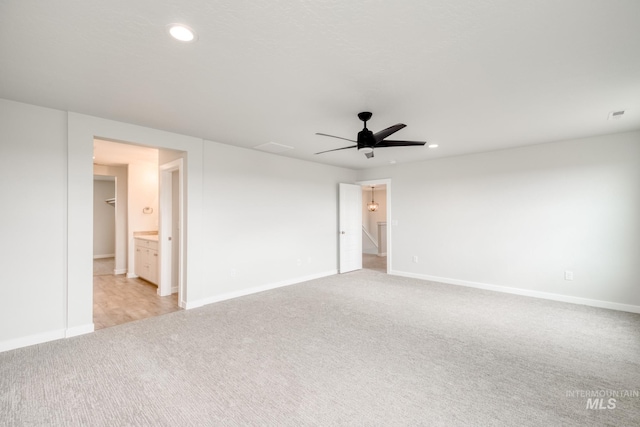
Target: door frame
390, 223
81, 131
164, 230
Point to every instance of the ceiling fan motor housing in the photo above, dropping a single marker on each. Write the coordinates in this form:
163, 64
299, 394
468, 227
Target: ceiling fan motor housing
366, 139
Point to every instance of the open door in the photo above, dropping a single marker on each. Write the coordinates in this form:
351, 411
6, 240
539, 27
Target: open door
350, 227
170, 234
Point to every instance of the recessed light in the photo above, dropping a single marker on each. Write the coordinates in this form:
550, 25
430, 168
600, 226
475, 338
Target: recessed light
181, 32
392, 162
432, 145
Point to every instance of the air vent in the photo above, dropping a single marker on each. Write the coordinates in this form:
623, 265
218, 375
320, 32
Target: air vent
273, 147
616, 115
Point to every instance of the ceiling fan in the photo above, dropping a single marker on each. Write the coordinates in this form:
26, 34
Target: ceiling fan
368, 140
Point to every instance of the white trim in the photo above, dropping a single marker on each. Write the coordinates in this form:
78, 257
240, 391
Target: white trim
121, 271
79, 330
255, 290
523, 292
31, 340
382, 254
104, 256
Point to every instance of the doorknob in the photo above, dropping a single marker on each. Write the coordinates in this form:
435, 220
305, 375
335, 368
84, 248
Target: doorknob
343, 232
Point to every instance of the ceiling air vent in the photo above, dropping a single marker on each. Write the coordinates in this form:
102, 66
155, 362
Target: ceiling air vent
614, 115
273, 147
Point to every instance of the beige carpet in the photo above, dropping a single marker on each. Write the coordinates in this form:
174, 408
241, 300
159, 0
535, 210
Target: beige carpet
363, 349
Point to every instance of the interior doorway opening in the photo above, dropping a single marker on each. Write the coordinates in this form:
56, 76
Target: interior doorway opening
132, 291
376, 208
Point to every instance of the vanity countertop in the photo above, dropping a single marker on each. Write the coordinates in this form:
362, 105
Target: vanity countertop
152, 237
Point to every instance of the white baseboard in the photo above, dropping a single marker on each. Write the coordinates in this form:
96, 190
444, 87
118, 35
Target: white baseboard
132, 276
382, 254
45, 337
119, 271
255, 290
523, 292
104, 256
79, 330
31, 340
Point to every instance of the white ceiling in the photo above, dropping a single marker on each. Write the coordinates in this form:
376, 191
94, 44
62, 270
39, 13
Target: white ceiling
469, 75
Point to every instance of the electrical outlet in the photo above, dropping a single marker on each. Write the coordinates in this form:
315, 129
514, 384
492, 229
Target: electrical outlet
568, 275
415, 258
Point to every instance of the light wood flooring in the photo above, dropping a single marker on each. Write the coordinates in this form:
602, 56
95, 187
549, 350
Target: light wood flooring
118, 300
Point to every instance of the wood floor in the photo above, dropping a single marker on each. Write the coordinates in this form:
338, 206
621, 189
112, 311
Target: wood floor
374, 262
118, 300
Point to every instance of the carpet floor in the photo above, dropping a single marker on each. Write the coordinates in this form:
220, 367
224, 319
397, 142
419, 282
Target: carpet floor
362, 348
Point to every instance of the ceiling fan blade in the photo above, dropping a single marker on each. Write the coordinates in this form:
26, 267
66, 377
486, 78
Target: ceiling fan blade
399, 143
379, 136
336, 149
333, 136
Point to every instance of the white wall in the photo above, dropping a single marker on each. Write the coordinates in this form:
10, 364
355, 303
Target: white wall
143, 204
104, 219
259, 220
33, 224
143, 193
519, 218
515, 218
269, 219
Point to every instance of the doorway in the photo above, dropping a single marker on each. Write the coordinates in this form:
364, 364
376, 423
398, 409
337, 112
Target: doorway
118, 297
376, 233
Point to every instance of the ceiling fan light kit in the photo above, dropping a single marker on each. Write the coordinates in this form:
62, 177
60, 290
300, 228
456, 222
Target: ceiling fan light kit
367, 141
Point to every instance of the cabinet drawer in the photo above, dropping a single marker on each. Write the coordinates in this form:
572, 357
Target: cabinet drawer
149, 244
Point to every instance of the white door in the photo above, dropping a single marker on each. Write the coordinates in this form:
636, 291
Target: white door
171, 225
350, 218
